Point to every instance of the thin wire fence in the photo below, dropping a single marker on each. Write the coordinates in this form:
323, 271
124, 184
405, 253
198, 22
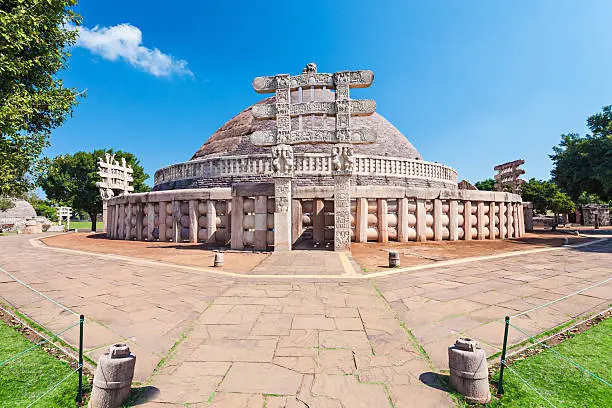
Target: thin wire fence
572, 366
17, 366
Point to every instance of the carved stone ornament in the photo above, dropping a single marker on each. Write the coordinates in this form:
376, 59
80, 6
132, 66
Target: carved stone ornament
282, 160
343, 159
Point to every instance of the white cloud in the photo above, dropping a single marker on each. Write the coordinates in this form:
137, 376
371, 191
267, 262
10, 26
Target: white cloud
124, 41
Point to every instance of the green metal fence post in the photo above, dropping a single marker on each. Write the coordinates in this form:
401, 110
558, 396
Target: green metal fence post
79, 397
500, 382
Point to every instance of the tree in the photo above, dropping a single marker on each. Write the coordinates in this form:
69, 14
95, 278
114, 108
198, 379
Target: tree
486, 185
71, 180
34, 35
546, 196
43, 208
584, 164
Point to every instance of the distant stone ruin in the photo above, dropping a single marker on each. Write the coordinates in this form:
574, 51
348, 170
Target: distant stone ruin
508, 177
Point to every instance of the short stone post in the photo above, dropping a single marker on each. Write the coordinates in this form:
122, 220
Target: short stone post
113, 377
394, 259
469, 372
219, 259
528, 216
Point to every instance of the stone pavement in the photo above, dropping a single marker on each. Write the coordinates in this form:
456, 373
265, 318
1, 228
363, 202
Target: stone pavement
291, 341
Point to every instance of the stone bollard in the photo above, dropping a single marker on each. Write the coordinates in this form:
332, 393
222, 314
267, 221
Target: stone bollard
219, 259
394, 259
113, 378
469, 372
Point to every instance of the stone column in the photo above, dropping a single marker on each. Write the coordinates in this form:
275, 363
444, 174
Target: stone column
261, 222
282, 214
528, 216
521, 219
453, 220
516, 220
361, 221
318, 221
104, 215
237, 238
296, 224
383, 226
421, 226
193, 221
121, 226
480, 220
508, 221
402, 219
502, 224
139, 221
150, 221
116, 212
211, 222
176, 221
437, 214
342, 212
492, 220
128, 224
161, 214
467, 220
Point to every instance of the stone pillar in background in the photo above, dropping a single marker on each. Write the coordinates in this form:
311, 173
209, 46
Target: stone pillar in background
161, 214
296, 215
528, 216
261, 222
492, 220
480, 220
318, 221
237, 237
453, 220
467, 220
104, 214
151, 221
361, 222
383, 226
402, 219
437, 214
421, 225
193, 221
139, 220
502, 220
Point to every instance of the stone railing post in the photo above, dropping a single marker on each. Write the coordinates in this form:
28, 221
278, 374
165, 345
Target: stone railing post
421, 226
453, 220
161, 214
383, 226
480, 220
318, 221
296, 225
361, 221
139, 221
467, 220
437, 216
237, 237
502, 224
261, 222
193, 221
492, 220
402, 219
150, 221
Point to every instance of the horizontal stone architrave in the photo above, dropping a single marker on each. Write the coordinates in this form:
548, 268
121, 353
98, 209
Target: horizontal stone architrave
308, 164
308, 192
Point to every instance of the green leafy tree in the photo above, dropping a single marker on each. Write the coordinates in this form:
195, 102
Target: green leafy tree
71, 180
486, 185
546, 196
34, 36
43, 208
584, 164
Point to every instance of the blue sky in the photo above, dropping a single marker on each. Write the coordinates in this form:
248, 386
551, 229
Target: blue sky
471, 83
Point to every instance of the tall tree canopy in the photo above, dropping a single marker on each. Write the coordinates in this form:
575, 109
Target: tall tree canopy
71, 180
33, 101
546, 196
584, 164
485, 185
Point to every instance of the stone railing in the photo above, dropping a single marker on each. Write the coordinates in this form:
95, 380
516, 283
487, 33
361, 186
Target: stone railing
243, 216
309, 164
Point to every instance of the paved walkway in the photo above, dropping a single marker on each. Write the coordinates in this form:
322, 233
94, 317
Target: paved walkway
227, 341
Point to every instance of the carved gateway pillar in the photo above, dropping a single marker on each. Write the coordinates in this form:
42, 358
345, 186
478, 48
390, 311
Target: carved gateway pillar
282, 165
308, 130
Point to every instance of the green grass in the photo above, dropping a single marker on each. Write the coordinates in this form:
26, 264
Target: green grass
84, 225
32, 374
563, 384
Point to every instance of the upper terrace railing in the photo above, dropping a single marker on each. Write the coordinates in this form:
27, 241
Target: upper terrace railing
305, 164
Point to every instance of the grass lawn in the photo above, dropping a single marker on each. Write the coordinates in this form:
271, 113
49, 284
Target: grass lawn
559, 381
29, 376
85, 225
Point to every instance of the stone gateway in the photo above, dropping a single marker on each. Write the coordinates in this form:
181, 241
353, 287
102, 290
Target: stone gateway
309, 166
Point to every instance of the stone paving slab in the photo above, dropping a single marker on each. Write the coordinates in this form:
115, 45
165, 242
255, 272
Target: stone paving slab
221, 341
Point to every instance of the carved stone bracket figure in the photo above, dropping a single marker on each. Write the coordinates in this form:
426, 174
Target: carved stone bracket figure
282, 161
343, 159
